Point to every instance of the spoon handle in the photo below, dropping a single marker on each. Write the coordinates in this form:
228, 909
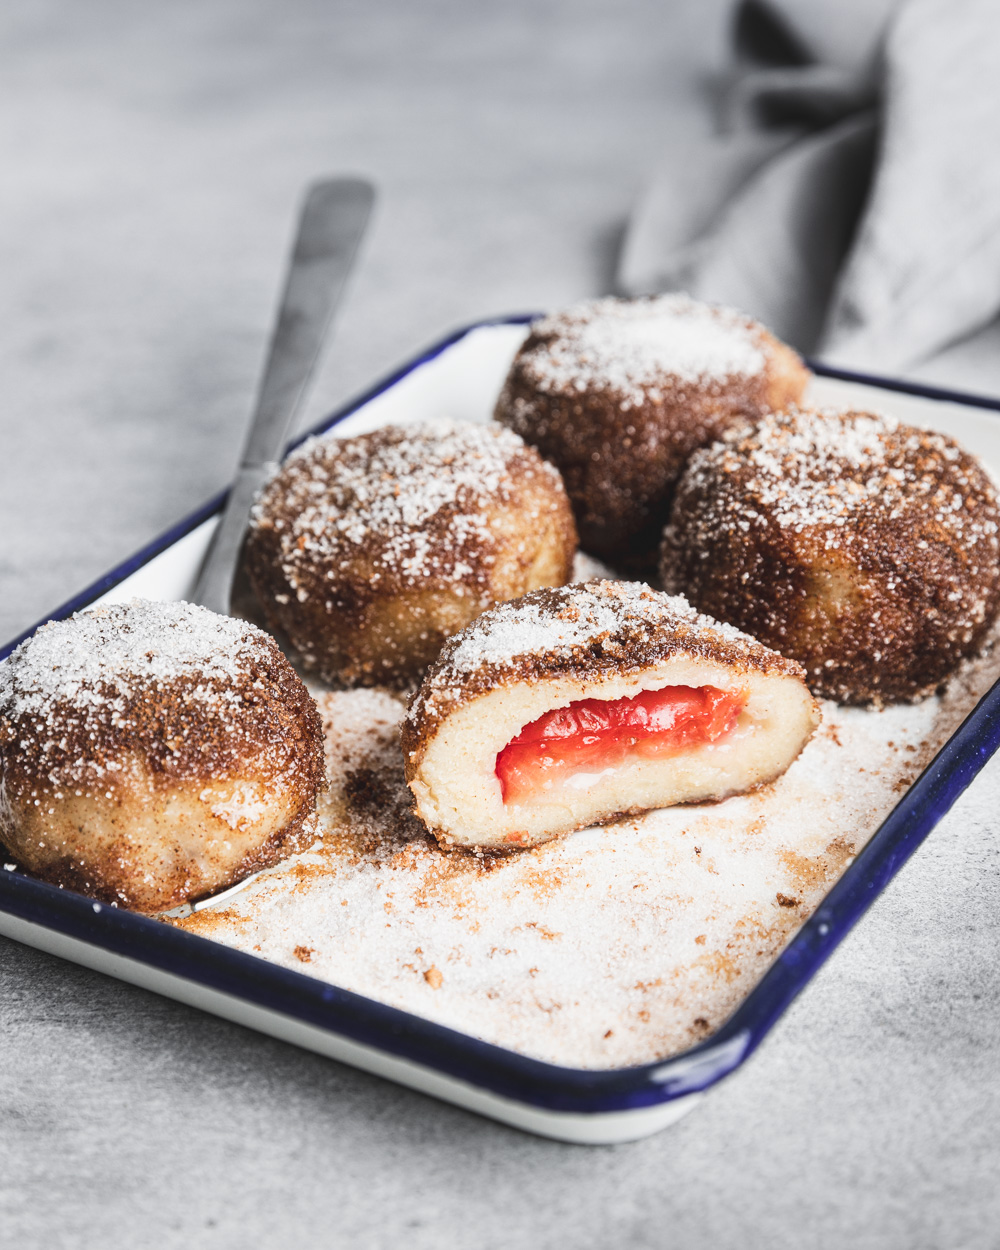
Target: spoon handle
332, 221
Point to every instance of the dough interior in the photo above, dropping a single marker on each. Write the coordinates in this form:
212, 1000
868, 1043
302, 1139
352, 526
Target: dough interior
459, 793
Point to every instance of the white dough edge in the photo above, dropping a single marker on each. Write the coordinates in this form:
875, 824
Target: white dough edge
458, 794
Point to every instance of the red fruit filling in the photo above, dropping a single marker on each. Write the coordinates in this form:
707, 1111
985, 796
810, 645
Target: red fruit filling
591, 735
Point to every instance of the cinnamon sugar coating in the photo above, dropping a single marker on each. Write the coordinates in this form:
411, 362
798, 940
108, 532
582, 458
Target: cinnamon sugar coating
154, 753
618, 393
582, 631
368, 552
865, 548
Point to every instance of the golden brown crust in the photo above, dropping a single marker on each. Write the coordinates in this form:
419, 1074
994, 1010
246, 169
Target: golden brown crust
866, 549
187, 707
111, 878
584, 631
620, 436
368, 552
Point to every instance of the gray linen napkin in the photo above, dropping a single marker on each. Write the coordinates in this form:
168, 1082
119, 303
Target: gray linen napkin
854, 203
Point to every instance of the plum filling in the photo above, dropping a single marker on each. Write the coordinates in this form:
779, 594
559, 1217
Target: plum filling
592, 736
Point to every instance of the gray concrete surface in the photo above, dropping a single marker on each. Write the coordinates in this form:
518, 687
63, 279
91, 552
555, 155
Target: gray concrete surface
151, 158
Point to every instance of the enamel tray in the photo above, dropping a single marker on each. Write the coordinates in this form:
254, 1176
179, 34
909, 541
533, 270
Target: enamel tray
460, 377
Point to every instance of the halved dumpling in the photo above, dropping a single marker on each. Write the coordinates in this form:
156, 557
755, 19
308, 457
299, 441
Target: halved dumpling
570, 706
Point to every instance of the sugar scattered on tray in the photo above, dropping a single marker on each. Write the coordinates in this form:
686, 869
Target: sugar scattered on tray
613, 946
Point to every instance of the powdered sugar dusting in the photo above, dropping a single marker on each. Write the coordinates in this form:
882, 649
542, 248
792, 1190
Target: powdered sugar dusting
415, 499
597, 622
866, 548
822, 468
590, 612
106, 654
635, 347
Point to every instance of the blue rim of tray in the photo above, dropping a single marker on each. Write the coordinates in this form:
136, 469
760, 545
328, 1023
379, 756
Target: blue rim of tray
480, 1064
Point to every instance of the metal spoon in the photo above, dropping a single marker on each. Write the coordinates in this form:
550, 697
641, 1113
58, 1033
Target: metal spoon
332, 221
